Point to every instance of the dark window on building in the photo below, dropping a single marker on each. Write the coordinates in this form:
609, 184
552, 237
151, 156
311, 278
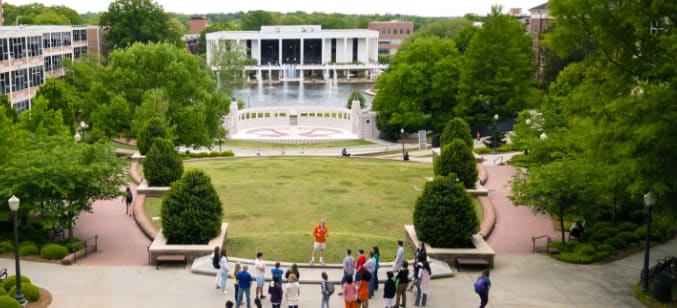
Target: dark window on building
22, 106
17, 47
56, 62
48, 64
46, 41
4, 49
355, 43
55, 39
4, 83
19, 79
36, 75
34, 46
333, 50
249, 48
66, 38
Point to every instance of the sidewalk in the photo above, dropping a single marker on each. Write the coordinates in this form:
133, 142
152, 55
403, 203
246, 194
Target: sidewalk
517, 281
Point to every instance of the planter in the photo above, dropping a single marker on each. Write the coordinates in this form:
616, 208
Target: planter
482, 250
160, 247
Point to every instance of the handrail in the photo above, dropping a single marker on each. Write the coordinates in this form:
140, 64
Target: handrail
95, 240
547, 243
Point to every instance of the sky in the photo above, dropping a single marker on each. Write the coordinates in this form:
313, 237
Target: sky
429, 8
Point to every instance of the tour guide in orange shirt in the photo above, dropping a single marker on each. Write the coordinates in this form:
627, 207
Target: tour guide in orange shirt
321, 233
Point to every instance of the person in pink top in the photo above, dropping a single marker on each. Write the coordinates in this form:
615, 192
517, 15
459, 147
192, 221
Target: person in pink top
350, 292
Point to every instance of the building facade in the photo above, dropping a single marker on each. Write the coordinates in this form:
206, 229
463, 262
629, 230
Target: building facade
30, 54
540, 21
295, 52
197, 23
391, 35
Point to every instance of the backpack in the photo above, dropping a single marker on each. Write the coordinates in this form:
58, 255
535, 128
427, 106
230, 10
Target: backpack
479, 285
329, 288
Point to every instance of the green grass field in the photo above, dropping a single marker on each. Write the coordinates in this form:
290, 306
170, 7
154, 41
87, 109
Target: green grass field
273, 203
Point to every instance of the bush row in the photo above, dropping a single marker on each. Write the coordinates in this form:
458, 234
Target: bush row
189, 155
31, 292
50, 250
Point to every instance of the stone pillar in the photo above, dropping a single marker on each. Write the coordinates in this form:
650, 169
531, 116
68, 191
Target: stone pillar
355, 113
234, 117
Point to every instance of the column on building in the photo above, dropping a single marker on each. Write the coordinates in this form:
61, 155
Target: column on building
258, 42
279, 55
323, 51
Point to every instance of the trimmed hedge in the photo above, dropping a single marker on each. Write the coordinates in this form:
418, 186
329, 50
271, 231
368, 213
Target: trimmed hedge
6, 246
53, 251
456, 128
227, 153
444, 215
28, 248
3, 291
73, 244
191, 211
616, 242
457, 158
162, 165
628, 226
628, 236
31, 292
8, 302
11, 282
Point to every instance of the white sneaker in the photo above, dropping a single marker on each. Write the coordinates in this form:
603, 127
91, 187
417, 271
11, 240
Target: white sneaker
321, 261
312, 260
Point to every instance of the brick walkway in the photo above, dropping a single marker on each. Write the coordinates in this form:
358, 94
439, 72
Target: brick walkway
515, 225
120, 240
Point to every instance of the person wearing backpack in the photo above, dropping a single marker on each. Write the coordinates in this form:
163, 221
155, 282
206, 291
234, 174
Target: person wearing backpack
216, 258
327, 290
128, 200
389, 290
482, 286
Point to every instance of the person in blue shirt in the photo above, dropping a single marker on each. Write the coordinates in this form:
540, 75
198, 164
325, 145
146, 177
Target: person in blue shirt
244, 280
276, 271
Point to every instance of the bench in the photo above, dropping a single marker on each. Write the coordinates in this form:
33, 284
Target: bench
470, 262
166, 259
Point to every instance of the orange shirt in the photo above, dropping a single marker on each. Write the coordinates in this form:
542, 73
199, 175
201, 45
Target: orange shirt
320, 234
364, 290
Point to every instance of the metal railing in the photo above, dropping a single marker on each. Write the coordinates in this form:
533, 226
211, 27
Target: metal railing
547, 243
86, 247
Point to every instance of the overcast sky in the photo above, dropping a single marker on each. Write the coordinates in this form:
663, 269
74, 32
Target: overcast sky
408, 7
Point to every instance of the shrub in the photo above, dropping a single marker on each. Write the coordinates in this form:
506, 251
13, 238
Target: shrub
7, 245
8, 302
444, 215
11, 281
628, 226
572, 257
606, 247
53, 251
152, 129
585, 249
456, 128
602, 224
457, 158
568, 247
191, 211
31, 292
597, 237
602, 254
3, 292
162, 165
608, 231
73, 244
629, 237
482, 150
616, 242
28, 248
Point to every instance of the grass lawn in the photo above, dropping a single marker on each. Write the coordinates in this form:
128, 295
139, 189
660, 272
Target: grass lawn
228, 144
273, 203
125, 146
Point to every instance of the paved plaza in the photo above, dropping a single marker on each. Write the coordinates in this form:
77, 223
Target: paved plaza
119, 276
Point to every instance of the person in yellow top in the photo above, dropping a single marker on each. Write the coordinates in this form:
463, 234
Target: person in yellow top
320, 233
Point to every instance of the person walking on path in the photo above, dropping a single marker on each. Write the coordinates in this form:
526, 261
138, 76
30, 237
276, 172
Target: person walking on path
399, 256
370, 267
420, 256
359, 266
320, 233
389, 291
482, 286
244, 280
292, 292
324, 286
128, 200
363, 292
275, 291
260, 273
423, 284
216, 259
223, 268
403, 282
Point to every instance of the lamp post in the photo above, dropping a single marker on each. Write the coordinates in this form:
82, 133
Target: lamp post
649, 201
495, 141
83, 126
401, 137
14, 207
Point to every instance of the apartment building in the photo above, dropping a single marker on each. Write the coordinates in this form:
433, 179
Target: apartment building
391, 35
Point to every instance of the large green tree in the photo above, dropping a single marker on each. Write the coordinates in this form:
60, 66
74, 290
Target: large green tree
494, 75
131, 21
418, 91
253, 20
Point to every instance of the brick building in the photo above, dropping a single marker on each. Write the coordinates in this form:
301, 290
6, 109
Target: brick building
391, 35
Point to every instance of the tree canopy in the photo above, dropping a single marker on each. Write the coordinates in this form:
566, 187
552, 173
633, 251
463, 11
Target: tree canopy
132, 21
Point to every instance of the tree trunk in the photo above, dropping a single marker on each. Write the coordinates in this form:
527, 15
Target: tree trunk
561, 222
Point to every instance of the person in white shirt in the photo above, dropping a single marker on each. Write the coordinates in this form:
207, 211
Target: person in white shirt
260, 272
399, 256
223, 263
